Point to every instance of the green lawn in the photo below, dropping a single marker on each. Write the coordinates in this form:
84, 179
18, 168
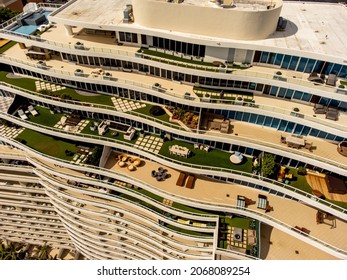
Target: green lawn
25, 83
47, 144
236, 222
189, 209
7, 46
29, 84
45, 117
214, 157
176, 58
299, 181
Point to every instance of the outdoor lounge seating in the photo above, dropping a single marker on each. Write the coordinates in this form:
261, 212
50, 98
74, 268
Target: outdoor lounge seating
181, 179
319, 109
190, 182
22, 115
283, 139
332, 114
331, 81
243, 201
308, 146
262, 201
32, 110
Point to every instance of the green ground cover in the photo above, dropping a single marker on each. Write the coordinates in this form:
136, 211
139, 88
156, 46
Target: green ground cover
7, 46
48, 145
216, 158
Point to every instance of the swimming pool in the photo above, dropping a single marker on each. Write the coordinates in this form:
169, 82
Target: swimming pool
28, 29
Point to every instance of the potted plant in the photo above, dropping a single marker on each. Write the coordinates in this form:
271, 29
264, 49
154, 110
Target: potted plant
302, 170
279, 73
296, 109
79, 72
142, 133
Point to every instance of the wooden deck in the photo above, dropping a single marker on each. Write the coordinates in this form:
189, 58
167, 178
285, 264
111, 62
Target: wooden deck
318, 182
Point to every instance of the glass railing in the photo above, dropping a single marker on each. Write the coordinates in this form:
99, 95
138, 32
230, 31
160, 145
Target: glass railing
29, 94
257, 178
197, 166
90, 76
243, 104
148, 199
242, 73
108, 206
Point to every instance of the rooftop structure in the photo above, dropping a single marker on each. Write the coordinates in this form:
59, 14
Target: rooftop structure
141, 138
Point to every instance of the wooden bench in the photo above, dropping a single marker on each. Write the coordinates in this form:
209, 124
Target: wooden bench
181, 179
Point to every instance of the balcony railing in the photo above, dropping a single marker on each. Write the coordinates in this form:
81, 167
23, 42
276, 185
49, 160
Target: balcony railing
197, 167
267, 108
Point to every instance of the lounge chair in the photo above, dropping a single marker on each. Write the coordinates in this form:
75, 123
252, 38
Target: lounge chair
190, 182
32, 110
332, 114
181, 179
22, 115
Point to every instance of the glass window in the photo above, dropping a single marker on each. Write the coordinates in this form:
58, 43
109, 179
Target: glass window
121, 36
283, 125
324, 101
253, 118
264, 57
286, 61
275, 123
257, 55
297, 95
259, 87
310, 66
322, 134
268, 121
239, 116
314, 132
252, 85
293, 63
319, 66
302, 64
343, 72
330, 136
305, 131
245, 117
336, 69
298, 129
290, 127
273, 91
282, 92
279, 58
306, 97
327, 67
260, 120
289, 94
271, 58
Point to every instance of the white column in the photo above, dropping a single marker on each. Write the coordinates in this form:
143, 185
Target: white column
68, 29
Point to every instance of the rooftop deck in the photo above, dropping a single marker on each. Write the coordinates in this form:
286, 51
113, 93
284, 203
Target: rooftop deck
312, 27
283, 246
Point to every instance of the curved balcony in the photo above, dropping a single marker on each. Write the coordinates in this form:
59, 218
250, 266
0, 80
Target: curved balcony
260, 216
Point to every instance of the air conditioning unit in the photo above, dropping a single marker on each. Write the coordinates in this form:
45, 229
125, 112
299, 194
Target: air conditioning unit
238, 234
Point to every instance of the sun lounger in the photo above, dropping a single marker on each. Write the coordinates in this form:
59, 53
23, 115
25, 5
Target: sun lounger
22, 115
181, 179
190, 182
32, 110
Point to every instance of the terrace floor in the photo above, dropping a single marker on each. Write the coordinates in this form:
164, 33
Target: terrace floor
226, 194
216, 192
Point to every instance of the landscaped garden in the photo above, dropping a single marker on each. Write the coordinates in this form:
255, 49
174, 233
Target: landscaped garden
67, 93
48, 145
216, 158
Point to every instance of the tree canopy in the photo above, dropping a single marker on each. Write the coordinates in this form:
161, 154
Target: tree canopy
6, 14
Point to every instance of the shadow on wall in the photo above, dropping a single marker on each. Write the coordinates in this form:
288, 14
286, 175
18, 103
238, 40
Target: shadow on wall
290, 30
265, 240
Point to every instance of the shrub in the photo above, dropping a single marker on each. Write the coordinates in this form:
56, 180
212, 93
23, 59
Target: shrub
302, 170
296, 109
279, 73
157, 111
268, 165
341, 86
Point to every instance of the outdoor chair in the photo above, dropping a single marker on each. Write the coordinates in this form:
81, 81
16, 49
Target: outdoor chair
283, 139
308, 146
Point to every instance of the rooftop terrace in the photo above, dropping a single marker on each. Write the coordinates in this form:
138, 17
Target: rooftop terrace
312, 27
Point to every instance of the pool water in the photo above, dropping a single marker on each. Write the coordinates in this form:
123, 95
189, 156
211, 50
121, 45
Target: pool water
28, 29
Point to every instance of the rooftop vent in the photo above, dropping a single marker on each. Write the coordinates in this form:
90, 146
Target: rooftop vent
128, 14
282, 24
